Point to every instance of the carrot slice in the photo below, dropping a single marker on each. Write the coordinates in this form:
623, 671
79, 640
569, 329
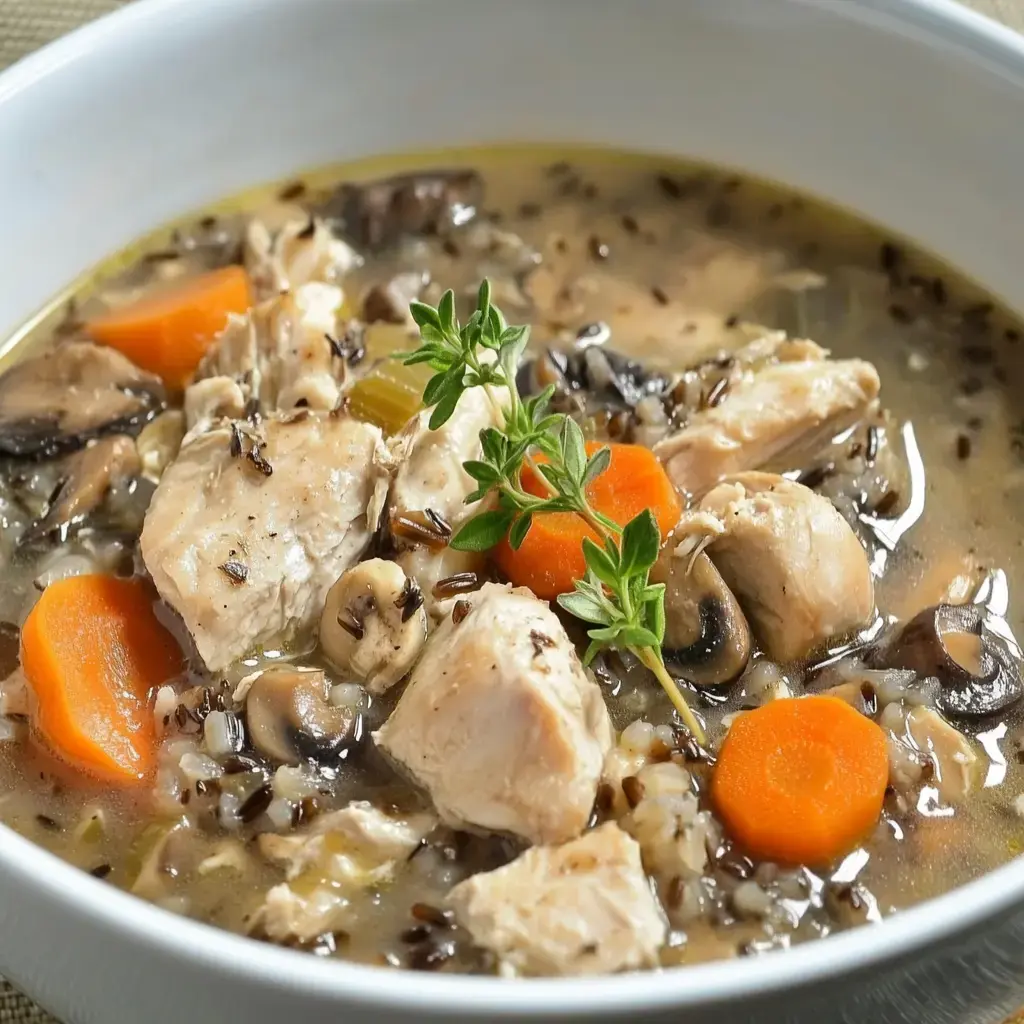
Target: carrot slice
167, 333
93, 651
801, 780
550, 560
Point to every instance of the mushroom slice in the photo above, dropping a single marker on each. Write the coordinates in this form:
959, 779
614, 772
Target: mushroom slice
707, 639
374, 625
90, 472
62, 399
970, 651
379, 213
290, 718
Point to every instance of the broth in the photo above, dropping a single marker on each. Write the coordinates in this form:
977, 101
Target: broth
670, 265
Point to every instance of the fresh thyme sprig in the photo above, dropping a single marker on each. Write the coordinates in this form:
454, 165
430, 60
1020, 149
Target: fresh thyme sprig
615, 597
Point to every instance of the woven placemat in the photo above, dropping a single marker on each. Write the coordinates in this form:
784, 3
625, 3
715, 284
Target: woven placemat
26, 25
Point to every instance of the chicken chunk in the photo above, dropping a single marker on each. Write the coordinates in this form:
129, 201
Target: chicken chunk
277, 357
781, 408
920, 735
300, 251
797, 568
500, 723
342, 853
430, 475
245, 535
582, 908
357, 844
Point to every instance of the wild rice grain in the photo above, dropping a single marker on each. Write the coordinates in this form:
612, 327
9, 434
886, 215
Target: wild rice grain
890, 257
671, 187
458, 583
430, 914
256, 803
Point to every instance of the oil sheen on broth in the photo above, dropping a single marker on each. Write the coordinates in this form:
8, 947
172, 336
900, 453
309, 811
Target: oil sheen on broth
673, 266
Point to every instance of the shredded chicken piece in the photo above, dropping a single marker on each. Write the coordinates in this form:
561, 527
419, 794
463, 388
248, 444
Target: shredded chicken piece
300, 252
246, 534
582, 908
430, 475
343, 852
278, 357
783, 407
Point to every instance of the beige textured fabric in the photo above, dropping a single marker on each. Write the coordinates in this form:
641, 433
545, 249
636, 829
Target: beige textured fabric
26, 25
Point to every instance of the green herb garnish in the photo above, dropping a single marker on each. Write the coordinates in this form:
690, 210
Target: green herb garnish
625, 609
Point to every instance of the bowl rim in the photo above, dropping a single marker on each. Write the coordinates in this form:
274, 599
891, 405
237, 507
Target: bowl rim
232, 955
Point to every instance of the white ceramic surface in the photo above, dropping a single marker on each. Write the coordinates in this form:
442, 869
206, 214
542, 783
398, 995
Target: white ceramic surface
908, 111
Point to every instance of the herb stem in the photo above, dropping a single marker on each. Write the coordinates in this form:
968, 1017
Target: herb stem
653, 662
538, 475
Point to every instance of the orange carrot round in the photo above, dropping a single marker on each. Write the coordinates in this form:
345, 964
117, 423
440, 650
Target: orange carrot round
801, 780
550, 560
168, 333
93, 652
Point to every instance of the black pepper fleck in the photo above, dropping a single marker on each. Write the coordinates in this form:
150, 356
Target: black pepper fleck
235, 571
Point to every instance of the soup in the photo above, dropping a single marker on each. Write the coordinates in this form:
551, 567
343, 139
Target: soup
343, 613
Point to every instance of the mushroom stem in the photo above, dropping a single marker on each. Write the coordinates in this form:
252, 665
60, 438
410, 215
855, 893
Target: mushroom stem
668, 684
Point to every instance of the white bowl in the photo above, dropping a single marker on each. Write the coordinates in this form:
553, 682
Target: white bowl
907, 111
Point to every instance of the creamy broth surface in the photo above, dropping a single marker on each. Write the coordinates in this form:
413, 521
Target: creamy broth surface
672, 266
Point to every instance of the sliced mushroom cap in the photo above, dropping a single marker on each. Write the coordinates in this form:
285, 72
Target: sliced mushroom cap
707, 638
378, 213
374, 625
290, 717
62, 399
89, 475
970, 651
603, 377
